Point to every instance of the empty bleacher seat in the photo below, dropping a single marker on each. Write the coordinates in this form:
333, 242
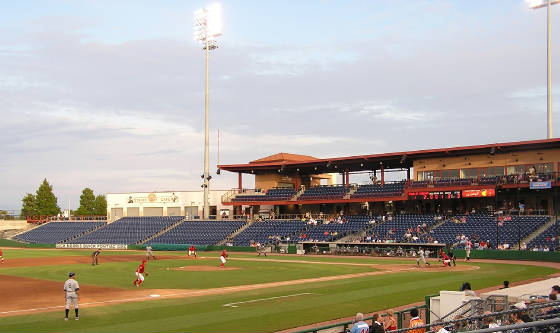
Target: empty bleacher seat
198, 232
55, 232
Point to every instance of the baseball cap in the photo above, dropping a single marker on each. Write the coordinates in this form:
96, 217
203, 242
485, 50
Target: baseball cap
144, 260
71, 274
556, 288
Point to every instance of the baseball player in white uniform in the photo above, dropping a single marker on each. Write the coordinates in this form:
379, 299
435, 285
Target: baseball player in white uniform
468, 246
422, 256
71, 288
149, 252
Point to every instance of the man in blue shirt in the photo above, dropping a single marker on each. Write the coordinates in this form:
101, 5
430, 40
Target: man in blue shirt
360, 326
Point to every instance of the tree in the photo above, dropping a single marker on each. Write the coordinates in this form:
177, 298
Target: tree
29, 206
87, 203
100, 205
46, 201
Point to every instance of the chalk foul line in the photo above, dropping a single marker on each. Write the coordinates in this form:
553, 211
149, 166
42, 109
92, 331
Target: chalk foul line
234, 305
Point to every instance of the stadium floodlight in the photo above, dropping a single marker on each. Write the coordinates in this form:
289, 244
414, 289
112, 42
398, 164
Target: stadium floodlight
536, 4
207, 27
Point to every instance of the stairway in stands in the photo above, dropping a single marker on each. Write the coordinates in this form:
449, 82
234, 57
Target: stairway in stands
84, 233
298, 194
174, 225
353, 190
537, 232
235, 233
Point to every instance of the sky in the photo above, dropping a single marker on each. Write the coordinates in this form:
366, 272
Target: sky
110, 94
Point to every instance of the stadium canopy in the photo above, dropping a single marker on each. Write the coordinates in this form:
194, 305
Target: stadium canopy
302, 164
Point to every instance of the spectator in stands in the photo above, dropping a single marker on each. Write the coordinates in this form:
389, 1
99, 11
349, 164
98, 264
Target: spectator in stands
376, 326
489, 321
437, 327
390, 322
461, 325
466, 287
360, 326
415, 321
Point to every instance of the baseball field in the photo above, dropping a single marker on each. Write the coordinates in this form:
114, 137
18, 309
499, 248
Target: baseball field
252, 294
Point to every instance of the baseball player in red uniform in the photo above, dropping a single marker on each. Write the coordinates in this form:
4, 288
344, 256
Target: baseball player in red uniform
1, 255
445, 259
192, 250
139, 271
223, 258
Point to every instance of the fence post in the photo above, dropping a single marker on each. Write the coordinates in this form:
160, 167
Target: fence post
399, 319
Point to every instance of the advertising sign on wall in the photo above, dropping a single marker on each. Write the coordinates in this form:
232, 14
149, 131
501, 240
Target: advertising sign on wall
479, 193
540, 185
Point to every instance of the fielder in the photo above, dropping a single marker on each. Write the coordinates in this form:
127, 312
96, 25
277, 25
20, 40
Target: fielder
260, 249
71, 288
422, 257
223, 258
192, 250
468, 246
149, 252
95, 257
1, 256
139, 271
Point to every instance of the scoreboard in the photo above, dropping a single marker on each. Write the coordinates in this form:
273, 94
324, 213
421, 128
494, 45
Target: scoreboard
434, 195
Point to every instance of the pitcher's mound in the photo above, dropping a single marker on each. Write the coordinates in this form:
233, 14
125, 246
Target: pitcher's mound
195, 268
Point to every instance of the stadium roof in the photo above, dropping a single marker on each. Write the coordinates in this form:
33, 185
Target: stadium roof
291, 163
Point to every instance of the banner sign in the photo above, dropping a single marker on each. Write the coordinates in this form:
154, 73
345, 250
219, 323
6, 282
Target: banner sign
479, 193
540, 185
92, 246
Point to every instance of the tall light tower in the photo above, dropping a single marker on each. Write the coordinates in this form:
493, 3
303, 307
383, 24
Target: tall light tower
207, 27
535, 4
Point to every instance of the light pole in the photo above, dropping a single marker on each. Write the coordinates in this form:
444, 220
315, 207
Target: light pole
207, 27
535, 4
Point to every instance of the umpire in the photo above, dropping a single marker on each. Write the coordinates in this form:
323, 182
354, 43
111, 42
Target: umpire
95, 257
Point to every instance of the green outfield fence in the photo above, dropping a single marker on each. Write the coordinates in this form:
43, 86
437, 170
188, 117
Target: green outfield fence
11, 243
510, 255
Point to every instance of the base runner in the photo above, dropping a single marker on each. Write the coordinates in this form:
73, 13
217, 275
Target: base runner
95, 257
223, 258
1, 256
192, 250
71, 288
421, 257
139, 271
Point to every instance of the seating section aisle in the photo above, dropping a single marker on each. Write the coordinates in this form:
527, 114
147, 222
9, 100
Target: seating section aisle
128, 230
486, 228
324, 193
269, 230
274, 194
54, 232
546, 238
333, 231
198, 232
377, 190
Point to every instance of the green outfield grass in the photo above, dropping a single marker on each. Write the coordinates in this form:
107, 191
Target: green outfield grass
323, 301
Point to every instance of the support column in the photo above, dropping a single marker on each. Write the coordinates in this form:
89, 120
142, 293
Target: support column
382, 175
347, 175
240, 182
297, 182
408, 174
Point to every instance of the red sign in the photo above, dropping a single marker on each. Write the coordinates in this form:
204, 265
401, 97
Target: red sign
479, 193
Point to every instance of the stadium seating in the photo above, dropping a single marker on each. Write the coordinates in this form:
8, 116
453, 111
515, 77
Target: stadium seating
395, 229
269, 230
55, 232
333, 231
378, 190
487, 228
274, 194
324, 193
546, 238
198, 232
128, 230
